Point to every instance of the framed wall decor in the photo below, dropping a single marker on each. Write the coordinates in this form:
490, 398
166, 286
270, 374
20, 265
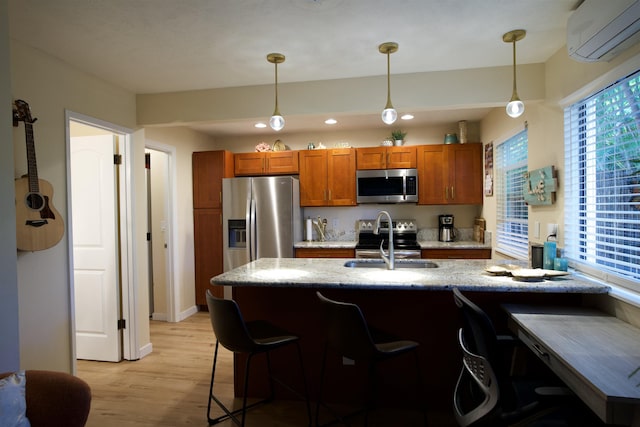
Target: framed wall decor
488, 169
540, 186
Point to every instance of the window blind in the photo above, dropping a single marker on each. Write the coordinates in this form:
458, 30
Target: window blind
512, 215
602, 180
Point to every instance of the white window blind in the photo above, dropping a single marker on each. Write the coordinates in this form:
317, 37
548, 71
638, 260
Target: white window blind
602, 181
512, 216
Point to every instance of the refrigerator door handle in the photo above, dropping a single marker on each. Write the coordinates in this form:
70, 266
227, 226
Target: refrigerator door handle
252, 229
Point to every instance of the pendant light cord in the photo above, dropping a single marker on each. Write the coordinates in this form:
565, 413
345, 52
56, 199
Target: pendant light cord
515, 92
388, 82
276, 112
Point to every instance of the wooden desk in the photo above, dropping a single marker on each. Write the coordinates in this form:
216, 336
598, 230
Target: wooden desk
592, 352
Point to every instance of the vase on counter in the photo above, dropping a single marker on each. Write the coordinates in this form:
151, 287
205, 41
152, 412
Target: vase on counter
399, 142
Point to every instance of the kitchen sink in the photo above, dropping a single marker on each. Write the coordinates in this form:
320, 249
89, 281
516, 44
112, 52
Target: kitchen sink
399, 263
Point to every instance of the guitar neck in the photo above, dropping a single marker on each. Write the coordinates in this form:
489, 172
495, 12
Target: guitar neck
32, 168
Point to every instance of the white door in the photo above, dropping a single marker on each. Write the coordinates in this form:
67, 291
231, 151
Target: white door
95, 249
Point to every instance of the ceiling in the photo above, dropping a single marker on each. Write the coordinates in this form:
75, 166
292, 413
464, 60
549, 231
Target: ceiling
154, 46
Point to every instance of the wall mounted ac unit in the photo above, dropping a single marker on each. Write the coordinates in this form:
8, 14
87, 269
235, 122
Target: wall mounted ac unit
598, 30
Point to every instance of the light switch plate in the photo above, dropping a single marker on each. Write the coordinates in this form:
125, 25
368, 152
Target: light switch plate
536, 229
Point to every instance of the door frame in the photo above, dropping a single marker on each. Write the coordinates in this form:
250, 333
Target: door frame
131, 345
172, 296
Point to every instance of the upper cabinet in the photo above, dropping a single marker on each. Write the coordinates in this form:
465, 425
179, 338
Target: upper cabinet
450, 174
403, 157
209, 167
266, 163
328, 177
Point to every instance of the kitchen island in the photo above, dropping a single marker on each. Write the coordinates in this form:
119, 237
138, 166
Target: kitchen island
413, 303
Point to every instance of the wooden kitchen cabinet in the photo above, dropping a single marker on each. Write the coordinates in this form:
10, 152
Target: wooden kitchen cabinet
266, 163
403, 157
328, 177
208, 168
441, 253
325, 253
450, 174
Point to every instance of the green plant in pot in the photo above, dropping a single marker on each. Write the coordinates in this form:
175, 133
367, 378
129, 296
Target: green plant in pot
398, 135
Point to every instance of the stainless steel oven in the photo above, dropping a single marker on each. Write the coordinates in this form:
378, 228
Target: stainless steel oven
405, 243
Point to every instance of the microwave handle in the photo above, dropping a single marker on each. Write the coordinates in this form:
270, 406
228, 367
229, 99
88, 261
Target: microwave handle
404, 188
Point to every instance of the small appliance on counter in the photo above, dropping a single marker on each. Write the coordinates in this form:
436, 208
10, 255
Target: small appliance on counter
446, 231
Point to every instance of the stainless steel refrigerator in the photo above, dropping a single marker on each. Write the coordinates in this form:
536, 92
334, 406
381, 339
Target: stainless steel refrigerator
261, 218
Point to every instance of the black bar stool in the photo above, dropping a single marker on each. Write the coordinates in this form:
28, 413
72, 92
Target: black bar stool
250, 338
348, 334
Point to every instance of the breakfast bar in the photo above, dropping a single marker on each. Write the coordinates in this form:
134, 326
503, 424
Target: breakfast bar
413, 301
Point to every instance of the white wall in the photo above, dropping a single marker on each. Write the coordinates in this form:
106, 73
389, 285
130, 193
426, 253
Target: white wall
186, 142
51, 86
9, 351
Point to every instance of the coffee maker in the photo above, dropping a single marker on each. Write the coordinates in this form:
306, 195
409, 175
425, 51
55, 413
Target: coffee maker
446, 232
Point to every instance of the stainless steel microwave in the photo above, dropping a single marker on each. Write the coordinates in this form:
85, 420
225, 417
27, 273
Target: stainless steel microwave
387, 186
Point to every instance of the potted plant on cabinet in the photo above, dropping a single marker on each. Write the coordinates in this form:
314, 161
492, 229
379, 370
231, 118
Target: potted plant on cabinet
398, 136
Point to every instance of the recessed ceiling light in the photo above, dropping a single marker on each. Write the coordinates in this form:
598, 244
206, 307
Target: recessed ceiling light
260, 125
331, 121
407, 116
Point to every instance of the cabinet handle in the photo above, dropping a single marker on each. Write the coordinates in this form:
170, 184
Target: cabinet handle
453, 193
329, 195
388, 158
446, 193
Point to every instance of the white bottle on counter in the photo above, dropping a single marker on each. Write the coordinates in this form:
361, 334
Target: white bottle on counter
309, 230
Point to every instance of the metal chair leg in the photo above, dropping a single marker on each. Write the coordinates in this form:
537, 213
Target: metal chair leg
229, 414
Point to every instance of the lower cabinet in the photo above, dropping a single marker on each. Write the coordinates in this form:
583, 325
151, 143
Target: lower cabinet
207, 227
456, 253
325, 253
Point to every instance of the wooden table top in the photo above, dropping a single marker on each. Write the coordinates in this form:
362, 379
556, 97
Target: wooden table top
596, 354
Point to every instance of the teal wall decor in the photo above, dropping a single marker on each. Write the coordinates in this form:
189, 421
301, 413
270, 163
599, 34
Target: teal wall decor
540, 186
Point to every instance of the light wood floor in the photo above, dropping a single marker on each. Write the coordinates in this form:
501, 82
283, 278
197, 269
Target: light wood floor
169, 387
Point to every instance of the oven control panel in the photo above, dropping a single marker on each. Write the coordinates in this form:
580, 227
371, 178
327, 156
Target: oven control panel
399, 226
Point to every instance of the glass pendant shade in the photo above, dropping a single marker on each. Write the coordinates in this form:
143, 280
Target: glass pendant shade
389, 115
515, 107
276, 122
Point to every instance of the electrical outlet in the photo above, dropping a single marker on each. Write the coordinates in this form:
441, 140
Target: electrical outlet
335, 222
552, 229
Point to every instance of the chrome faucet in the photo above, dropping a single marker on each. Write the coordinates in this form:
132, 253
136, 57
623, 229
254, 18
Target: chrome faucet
390, 259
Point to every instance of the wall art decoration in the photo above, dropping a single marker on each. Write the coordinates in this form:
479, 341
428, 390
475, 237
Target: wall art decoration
488, 169
540, 186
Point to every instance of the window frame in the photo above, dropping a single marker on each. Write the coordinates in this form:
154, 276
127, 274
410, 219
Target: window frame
583, 152
515, 242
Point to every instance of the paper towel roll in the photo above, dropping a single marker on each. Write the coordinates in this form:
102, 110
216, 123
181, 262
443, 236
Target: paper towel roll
309, 230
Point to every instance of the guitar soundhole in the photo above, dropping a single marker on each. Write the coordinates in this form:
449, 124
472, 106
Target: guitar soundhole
35, 201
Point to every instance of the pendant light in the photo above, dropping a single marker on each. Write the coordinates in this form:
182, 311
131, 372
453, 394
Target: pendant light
276, 121
515, 107
389, 114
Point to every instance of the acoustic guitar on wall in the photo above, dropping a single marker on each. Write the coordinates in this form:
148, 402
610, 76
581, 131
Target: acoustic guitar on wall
38, 225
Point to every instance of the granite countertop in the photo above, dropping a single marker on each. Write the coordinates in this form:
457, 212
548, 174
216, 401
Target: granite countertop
467, 275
